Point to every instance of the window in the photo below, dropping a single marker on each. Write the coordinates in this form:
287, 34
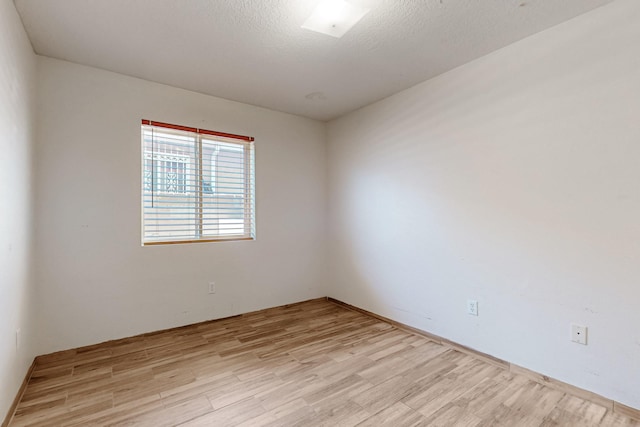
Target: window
197, 185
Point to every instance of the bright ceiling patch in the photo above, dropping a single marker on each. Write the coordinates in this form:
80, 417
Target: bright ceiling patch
334, 17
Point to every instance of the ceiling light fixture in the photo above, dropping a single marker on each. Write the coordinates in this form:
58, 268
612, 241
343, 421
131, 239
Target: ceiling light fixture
334, 17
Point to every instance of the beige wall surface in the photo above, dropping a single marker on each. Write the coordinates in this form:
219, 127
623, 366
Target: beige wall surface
513, 180
96, 281
17, 303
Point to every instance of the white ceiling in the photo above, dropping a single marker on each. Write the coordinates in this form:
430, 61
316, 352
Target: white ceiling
255, 51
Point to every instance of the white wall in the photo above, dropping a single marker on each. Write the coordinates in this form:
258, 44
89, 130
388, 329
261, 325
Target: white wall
96, 281
513, 180
17, 311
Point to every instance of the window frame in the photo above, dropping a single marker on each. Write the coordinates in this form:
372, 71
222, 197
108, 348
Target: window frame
198, 191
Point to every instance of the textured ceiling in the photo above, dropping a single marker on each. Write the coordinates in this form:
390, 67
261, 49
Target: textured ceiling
254, 51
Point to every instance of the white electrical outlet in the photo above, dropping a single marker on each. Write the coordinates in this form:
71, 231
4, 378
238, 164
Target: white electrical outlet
472, 307
579, 334
212, 287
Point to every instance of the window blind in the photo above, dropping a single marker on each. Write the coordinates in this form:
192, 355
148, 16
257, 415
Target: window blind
197, 185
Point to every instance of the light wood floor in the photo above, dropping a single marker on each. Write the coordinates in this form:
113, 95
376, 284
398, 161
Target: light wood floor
308, 364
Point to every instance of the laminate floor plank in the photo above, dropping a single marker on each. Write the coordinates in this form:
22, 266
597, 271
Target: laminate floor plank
315, 363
